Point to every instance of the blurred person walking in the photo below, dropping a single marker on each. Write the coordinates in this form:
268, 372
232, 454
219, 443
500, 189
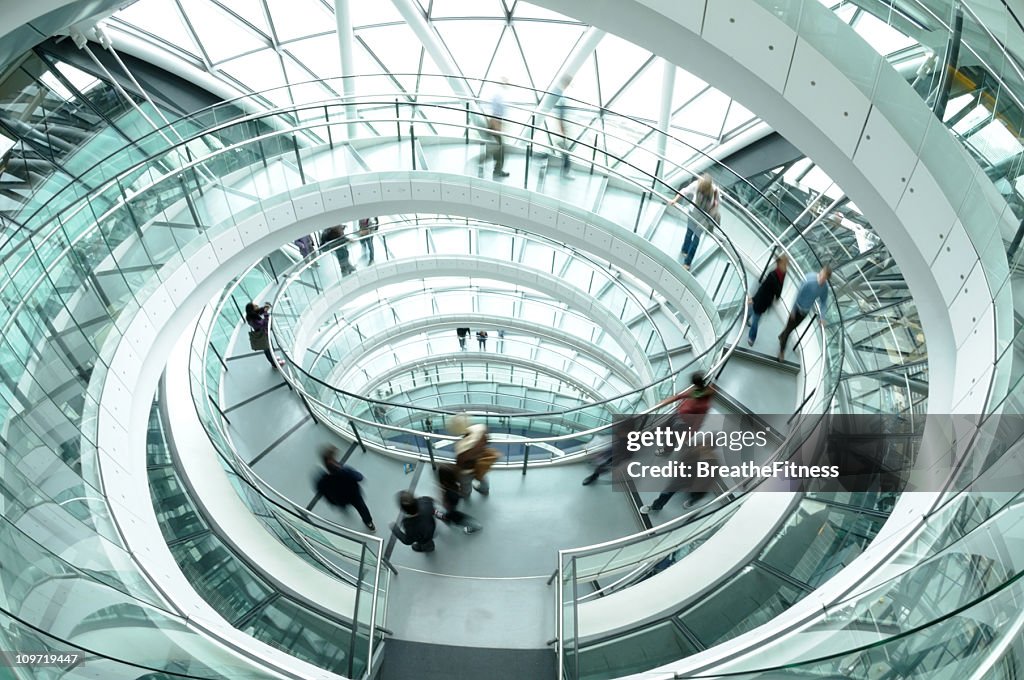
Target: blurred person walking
704, 215
463, 333
692, 405
417, 525
473, 456
813, 291
453, 482
767, 293
335, 236
695, 489
561, 114
340, 485
495, 125
367, 228
258, 319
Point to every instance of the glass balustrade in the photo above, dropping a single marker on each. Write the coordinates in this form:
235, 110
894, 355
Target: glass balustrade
334, 641
354, 559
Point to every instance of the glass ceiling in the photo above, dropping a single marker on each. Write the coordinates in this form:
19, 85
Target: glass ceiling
254, 45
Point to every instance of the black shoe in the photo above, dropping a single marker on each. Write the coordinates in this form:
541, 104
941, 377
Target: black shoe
499, 173
590, 479
371, 526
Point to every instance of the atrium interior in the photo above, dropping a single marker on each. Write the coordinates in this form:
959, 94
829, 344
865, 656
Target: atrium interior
332, 331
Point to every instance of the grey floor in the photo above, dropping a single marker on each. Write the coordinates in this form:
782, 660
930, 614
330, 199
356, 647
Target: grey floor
485, 590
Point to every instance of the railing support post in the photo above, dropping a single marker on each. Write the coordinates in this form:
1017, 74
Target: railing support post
359, 439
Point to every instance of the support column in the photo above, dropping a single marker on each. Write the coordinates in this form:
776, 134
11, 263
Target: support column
346, 37
668, 86
588, 42
413, 16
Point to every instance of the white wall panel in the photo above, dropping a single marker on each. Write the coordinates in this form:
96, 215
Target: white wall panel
306, 204
925, 213
687, 13
882, 152
337, 197
279, 215
365, 191
819, 90
425, 190
954, 264
391, 190
751, 36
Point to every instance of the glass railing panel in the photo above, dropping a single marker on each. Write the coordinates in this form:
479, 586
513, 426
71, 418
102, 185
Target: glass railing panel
635, 652
750, 598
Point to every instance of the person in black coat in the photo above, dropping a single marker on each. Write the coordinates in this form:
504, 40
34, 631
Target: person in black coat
416, 528
340, 485
767, 293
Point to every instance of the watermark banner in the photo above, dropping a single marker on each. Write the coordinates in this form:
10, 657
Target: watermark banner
824, 453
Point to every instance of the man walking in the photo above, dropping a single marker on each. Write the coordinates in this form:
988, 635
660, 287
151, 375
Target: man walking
416, 528
340, 485
813, 290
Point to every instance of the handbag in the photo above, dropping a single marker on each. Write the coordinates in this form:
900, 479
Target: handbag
259, 340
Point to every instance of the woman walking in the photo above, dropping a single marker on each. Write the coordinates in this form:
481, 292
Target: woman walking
703, 216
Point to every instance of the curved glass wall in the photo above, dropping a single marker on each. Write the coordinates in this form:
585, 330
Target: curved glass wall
240, 593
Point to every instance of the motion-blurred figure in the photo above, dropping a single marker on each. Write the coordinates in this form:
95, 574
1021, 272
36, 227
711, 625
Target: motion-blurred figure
340, 485
473, 456
813, 291
495, 125
453, 483
416, 528
704, 214
767, 293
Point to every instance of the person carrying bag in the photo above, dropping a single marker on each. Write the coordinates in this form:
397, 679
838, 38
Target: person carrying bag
472, 453
258, 319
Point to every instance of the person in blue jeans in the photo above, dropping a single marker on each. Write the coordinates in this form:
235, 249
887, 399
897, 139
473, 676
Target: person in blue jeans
767, 293
703, 216
813, 291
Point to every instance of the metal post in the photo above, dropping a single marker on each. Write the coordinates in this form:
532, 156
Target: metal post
217, 406
412, 144
639, 212
467, 123
355, 615
952, 57
298, 159
526, 457
398, 120
358, 438
801, 406
430, 452
327, 123
719, 286
222, 362
593, 154
807, 328
263, 153
1011, 252
529, 153
270, 263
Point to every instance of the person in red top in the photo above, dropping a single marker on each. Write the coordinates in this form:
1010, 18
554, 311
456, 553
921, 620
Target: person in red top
692, 404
